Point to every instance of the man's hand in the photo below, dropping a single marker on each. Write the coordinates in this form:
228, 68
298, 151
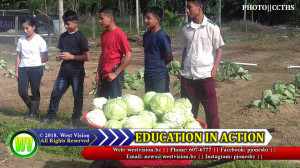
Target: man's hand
17, 75
58, 58
213, 73
111, 76
97, 80
179, 76
66, 56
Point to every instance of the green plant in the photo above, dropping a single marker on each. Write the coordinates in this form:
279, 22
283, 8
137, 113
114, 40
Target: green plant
283, 94
171, 20
133, 81
174, 68
46, 67
10, 73
230, 70
3, 64
95, 88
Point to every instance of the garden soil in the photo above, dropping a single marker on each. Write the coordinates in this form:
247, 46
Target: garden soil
234, 97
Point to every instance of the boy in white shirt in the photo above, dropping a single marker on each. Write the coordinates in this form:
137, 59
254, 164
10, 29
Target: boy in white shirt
201, 58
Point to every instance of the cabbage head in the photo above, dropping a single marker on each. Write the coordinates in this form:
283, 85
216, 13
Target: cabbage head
193, 125
175, 65
266, 94
124, 120
160, 103
170, 95
161, 126
115, 109
137, 122
96, 117
279, 87
297, 80
99, 102
186, 102
150, 116
273, 100
134, 104
147, 98
174, 118
113, 124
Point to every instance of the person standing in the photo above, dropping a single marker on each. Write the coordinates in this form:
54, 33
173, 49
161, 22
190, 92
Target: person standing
201, 58
74, 51
158, 53
31, 53
114, 43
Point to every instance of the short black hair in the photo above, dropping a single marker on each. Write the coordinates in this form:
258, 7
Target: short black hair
156, 12
70, 16
31, 22
197, 2
108, 12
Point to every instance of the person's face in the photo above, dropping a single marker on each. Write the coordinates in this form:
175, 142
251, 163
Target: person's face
71, 25
151, 21
28, 30
105, 20
193, 10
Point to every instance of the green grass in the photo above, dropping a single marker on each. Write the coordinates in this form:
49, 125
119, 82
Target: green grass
9, 126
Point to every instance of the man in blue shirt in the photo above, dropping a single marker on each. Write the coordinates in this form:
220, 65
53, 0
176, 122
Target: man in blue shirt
158, 53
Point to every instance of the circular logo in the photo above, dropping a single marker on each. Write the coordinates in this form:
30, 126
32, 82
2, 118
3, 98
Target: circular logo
23, 144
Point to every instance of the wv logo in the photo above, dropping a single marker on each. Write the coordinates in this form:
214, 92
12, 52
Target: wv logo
23, 144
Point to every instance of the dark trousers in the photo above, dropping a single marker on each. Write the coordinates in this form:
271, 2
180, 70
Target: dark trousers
111, 89
32, 75
159, 86
61, 85
202, 90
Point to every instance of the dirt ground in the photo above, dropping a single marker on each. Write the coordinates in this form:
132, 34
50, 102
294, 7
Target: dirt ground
234, 97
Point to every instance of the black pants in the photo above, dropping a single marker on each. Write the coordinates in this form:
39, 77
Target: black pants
32, 75
61, 85
111, 89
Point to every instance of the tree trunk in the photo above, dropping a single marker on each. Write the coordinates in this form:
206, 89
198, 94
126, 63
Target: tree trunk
245, 11
137, 18
61, 12
252, 15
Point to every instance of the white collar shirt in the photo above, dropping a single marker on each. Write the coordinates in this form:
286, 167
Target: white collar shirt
201, 42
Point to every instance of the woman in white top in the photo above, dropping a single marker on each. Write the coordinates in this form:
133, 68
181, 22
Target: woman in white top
31, 53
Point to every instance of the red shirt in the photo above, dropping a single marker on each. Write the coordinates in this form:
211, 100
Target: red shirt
114, 45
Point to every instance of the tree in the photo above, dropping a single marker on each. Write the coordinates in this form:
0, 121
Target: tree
60, 14
171, 20
245, 11
137, 17
252, 2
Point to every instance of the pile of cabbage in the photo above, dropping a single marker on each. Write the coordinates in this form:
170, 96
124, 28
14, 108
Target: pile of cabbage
154, 110
284, 93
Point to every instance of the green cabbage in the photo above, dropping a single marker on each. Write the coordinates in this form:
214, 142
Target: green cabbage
193, 125
147, 98
279, 87
137, 122
161, 126
174, 118
266, 94
134, 104
297, 80
113, 124
160, 103
150, 116
115, 109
